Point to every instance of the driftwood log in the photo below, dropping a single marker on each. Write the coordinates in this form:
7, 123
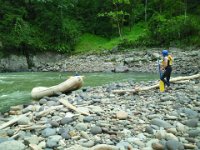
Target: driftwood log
13, 121
49, 110
34, 147
70, 106
173, 80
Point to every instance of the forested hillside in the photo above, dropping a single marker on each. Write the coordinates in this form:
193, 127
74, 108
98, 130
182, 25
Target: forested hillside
29, 26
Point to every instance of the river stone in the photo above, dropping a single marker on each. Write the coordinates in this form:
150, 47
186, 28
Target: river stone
122, 115
136, 141
166, 98
5, 139
64, 129
149, 129
55, 138
85, 135
157, 146
191, 122
48, 132
123, 145
189, 112
160, 123
88, 119
194, 133
180, 127
65, 135
174, 145
151, 141
10, 132
170, 136
96, 130
24, 121
54, 124
21, 135
42, 101
88, 144
12, 145
42, 144
198, 144
31, 140
51, 143
66, 120
160, 134
81, 127
51, 103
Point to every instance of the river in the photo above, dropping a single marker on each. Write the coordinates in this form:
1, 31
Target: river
15, 88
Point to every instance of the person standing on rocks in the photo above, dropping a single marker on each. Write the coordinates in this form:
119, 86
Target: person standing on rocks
166, 66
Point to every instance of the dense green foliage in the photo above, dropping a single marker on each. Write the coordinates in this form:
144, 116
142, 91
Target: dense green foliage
29, 26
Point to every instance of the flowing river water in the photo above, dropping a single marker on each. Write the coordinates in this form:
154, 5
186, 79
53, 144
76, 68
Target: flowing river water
15, 88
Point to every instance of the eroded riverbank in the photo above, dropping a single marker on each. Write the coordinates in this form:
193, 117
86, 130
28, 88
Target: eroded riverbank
137, 60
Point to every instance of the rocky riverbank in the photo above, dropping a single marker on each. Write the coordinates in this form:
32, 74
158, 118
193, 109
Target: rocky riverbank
140, 60
142, 121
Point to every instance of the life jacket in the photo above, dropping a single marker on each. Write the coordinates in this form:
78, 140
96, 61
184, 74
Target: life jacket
170, 59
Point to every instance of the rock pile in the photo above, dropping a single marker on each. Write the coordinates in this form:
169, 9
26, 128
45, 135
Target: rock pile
97, 119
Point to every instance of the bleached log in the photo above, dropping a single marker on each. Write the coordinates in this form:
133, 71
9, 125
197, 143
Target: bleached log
185, 78
34, 127
34, 147
96, 147
104, 147
70, 106
71, 84
49, 110
183, 81
173, 80
13, 121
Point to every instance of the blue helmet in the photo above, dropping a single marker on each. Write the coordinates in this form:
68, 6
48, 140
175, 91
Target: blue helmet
165, 53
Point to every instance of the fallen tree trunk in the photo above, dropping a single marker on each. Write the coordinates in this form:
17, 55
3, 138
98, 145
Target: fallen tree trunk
13, 121
70, 106
173, 80
49, 110
34, 147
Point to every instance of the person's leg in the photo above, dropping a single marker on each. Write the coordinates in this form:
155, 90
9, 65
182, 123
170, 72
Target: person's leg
163, 77
168, 75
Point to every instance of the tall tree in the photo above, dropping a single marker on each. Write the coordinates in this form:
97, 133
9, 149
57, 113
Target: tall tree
117, 15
